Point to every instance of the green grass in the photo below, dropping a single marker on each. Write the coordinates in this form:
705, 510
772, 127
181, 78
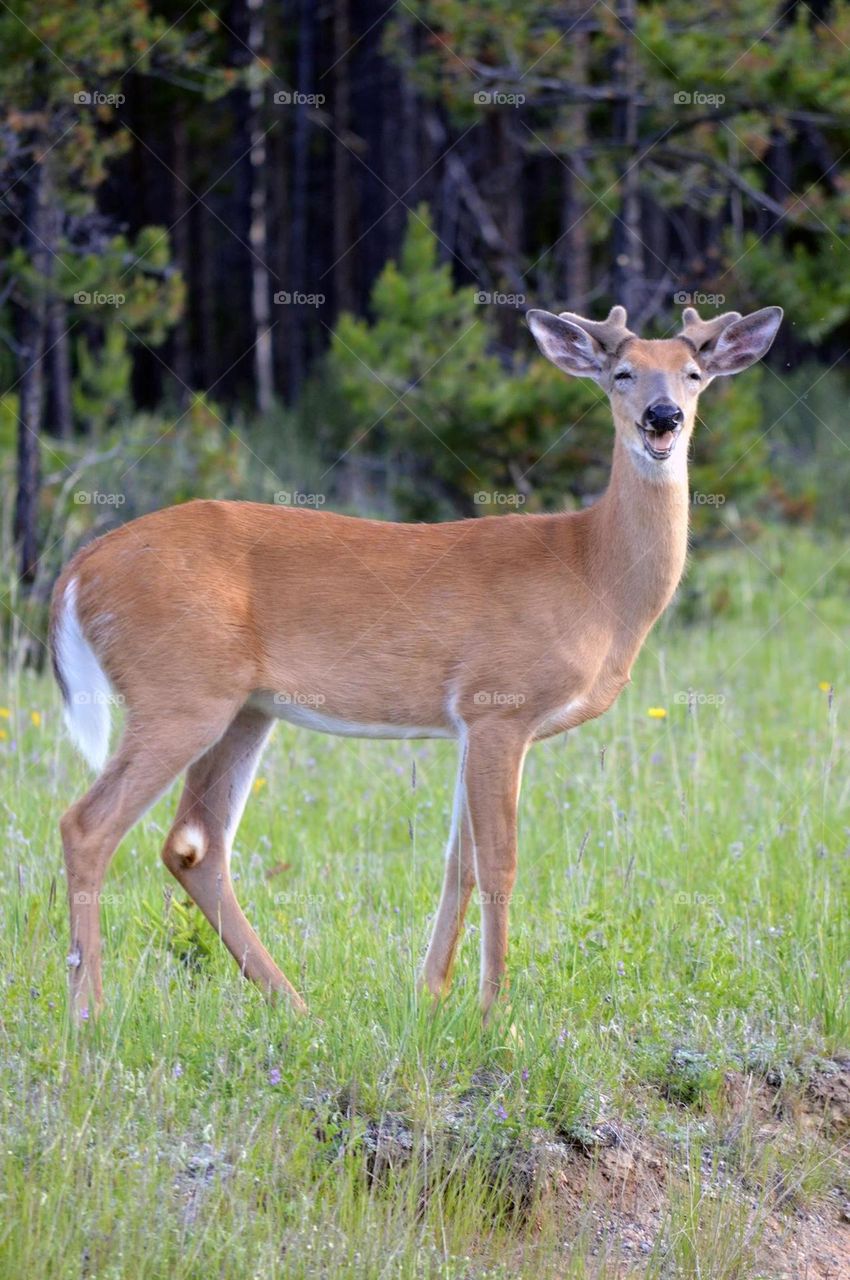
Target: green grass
681, 912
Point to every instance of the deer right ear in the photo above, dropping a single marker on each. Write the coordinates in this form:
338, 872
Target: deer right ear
567, 345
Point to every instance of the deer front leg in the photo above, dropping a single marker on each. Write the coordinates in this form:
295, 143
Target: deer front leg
493, 771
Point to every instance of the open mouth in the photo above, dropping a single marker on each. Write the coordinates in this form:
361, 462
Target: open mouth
659, 444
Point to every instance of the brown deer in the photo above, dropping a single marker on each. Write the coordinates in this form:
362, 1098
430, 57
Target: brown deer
210, 620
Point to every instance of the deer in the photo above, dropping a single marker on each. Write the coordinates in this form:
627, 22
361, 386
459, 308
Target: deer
208, 621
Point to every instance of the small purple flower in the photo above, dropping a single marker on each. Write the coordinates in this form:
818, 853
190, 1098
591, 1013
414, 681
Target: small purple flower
501, 1113
84, 1013
177, 1071
274, 1075
524, 1073
562, 1036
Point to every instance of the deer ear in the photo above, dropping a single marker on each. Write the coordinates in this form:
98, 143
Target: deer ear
742, 343
567, 345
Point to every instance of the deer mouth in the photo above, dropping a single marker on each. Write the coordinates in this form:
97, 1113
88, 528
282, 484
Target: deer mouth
659, 444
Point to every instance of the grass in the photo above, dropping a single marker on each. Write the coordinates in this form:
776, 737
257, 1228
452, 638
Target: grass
680, 920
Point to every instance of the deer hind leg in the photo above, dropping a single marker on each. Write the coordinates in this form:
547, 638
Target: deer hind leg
458, 883
198, 846
152, 753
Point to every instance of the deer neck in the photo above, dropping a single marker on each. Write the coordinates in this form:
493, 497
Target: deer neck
640, 536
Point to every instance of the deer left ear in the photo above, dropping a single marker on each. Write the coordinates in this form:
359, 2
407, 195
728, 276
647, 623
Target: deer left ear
742, 343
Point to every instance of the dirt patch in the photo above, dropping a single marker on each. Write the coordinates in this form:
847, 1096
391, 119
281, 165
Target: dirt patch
615, 1187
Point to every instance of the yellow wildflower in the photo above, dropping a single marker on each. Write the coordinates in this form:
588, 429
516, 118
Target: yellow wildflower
656, 713
35, 716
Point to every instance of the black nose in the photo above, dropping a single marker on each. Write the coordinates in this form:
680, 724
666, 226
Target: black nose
662, 416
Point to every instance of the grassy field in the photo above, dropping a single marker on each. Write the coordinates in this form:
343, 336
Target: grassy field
665, 1089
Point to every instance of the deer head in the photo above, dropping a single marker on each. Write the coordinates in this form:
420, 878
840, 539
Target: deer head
653, 385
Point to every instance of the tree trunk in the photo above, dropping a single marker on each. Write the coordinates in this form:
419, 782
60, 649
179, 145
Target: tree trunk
181, 243
32, 376
629, 269
344, 192
62, 413
576, 244
300, 173
258, 235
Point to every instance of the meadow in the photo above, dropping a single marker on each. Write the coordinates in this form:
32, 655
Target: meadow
665, 1090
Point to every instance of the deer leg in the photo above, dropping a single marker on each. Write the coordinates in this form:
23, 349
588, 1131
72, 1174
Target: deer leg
458, 883
493, 772
150, 756
198, 847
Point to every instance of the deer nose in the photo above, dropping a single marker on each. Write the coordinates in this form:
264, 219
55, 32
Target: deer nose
662, 416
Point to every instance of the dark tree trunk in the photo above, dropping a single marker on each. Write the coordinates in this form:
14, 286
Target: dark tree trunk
629, 286
32, 376
576, 244
258, 236
62, 412
344, 192
299, 246
181, 242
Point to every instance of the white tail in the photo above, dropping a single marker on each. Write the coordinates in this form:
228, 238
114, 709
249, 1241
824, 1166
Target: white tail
86, 691
213, 619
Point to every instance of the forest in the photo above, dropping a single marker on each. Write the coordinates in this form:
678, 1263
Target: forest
254, 248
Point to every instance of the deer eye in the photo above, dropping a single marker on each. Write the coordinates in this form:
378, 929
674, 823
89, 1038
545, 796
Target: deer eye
622, 375
695, 375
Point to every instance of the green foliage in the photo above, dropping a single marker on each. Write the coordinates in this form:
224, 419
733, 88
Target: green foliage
418, 385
